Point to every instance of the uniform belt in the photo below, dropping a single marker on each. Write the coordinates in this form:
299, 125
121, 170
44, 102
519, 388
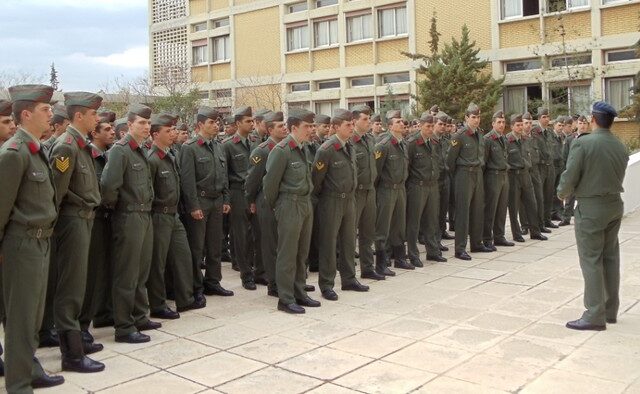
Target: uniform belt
294, 197
422, 182
22, 230
165, 209
236, 186
207, 194
336, 195
363, 187
469, 168
85, 213
393, 186
490, 171
518, 171
144, 207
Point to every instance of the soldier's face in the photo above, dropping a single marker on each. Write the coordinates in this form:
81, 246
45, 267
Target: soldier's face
557, 127
38, 120
105, 135
278, 131
139, 128
376, 127
517, 128
526, 125
498, 125
322, 129
345, 130
183, 136
438, 128
245, 125
397, 126
86, 121
568, 128
544, 120
7, 128
583, 127
303, 131
261, 126
362, 123
165, 136
473, 120
230, 130
427, 129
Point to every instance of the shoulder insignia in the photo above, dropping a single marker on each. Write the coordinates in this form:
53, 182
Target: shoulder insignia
377, 154
256, 160
419, 141
15, 145
68, 140
292, 144
62, 164
33, 147
319, 166
94, 153
454, 142
133, 144
236, 139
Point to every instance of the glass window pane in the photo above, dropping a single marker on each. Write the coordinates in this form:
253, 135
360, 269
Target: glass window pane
621, 56
386, 21
361, 81
297, 7
618, 92
300, 87
366, 26
511, 8
532, 64
514, 99
333, 84
580, 99
333, 32
401, 20
395, 78
577, 3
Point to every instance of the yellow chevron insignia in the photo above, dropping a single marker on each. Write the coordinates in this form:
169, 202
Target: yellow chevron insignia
378, 154
62, 164
454, 142
319, 165
256, 159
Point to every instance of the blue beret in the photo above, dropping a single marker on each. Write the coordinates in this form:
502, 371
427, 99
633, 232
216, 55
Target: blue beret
601, 107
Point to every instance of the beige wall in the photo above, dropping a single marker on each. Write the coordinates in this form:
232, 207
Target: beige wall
626, 130
518, 33
220, 72
200, 74
326, 59
218, 4
298, 62
576, 25
357, 55
197, 7
623, 19
390, 50
257, 48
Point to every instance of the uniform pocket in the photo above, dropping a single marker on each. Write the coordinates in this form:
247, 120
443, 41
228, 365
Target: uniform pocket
138, 174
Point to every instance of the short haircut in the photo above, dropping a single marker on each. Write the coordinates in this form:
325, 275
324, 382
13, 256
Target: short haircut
57, 119
19, 106
201, 118
131, 117
155, 128
603, 120
72, 109
293, 122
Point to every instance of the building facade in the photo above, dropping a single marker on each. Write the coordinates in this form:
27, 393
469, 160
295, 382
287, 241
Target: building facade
323, 54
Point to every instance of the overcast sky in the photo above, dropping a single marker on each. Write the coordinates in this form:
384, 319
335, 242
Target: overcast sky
91, 42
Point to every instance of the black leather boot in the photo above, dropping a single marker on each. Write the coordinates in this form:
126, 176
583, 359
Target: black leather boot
381, 264
73, 358
400, 258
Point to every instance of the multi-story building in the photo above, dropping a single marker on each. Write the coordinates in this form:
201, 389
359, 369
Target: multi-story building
323, 54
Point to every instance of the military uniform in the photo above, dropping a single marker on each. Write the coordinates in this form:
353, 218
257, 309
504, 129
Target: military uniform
205, 186
496, 188
169, 238
558, 163
27, 216
532, 146
465, 161
392, 169
313, 146
567, 211
423, 197
287, 188
520, 188
334, 178
127, 187
595, 172
237, 150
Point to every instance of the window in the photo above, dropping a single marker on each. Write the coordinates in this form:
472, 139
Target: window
220, 23
298, 38
392, 22
199, 54
519, 8
361, 81
326, 33
614, 1
222, 93
571, 99
204, 95
359, 28
331, 84
622, 56
297, 7
520, 99
571, 60
326, 107
395, 78
563, 5
300, 87
523, 65
221, 49
324, 3
299, 104
196, 27
370, 102
618, 91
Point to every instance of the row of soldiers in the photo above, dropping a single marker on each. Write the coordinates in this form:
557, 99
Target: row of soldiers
99, 219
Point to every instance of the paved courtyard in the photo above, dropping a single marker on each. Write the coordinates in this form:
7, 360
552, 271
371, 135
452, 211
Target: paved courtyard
494, 324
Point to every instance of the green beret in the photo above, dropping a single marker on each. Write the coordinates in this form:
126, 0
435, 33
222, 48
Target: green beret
568, 120
60, 111
322, 119
394, 113
163, 119
340, 115
242, 112
361, 109
209, 112
120, 124
274, 117
527, 116
140, 110
82, 99
376, 118
472, 109
516, 118
499, 114
35, 93
5, 107
426, 117
107, 116
300, 114
261, 113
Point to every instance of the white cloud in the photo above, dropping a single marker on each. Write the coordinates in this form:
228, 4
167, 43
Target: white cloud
136, 57
93, 4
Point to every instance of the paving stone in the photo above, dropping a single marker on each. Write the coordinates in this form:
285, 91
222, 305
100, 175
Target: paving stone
117, 370
272, 349
170, 353
274, 380
447, 385
157, 383
429, 357
383, 377
216, 369
495, 373
561, 382
325, 363
371, 344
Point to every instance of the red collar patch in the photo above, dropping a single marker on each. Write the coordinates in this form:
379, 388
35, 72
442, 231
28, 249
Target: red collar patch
292, 144
356, 138
494, 136
200, 141
68, 140
133, 144
161, 153
81, 142
420, 141
394, 141
469, 132
33, 147
337, 146
271, 145
236, 139
94, 153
